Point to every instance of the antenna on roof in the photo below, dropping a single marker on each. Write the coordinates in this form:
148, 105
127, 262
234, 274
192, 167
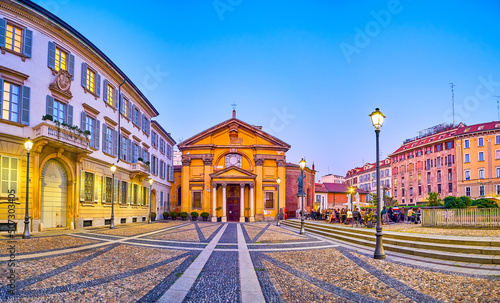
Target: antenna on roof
498, 107
453, 101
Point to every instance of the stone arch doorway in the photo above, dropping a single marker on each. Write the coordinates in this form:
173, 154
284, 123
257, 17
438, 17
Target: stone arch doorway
54, 195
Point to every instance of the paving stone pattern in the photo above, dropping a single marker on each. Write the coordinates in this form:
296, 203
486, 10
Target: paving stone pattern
140, 263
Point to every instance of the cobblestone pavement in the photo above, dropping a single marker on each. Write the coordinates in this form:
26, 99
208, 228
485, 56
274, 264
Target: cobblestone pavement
140, 263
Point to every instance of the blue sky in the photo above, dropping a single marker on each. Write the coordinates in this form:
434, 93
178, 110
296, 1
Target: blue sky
309, 72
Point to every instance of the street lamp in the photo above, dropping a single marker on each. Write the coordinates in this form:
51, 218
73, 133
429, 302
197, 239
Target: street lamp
28, 145
377, 121
150, 191
112, 225
302, 165
278, 181
351, 191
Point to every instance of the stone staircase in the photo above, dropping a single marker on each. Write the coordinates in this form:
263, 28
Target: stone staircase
482, 250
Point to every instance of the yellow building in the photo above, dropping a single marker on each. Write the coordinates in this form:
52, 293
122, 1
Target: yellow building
478, 160
232, 166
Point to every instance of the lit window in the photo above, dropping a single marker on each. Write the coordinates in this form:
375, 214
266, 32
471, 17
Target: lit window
13, 37
110, 95
10, 104
9, 175
91, 80
125, 108
89, 187
60, 60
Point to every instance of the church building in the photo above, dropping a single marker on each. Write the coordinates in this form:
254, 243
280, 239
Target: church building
231, 171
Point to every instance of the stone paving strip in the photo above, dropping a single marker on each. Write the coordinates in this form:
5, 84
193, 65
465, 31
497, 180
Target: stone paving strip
250, 287
79, 248
39, 244
178, 291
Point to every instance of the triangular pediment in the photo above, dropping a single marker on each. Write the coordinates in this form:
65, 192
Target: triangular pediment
259, 137
233, 172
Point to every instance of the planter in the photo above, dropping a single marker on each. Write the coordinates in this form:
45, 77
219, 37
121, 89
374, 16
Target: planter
219, 219
153, 218
194, 218
205, 218
183, 218
247, 219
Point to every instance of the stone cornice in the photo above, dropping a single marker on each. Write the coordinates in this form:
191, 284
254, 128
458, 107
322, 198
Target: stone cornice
90, 110
110, 121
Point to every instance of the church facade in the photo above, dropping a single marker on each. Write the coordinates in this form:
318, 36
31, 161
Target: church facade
231, 172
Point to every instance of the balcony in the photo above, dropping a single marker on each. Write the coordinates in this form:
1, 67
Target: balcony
61, 136
139, 169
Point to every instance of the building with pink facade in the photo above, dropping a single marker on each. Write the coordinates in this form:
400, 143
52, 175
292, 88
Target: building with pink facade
365, 178
425, 164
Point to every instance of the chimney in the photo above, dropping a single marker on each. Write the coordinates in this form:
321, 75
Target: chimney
313, 167
234, 113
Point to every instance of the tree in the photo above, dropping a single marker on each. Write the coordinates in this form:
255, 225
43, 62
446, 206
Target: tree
451, 202
434, 199
464, 202
485, 203
390, 201
373, 200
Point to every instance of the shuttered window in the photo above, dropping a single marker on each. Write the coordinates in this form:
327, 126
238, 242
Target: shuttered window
91, 80
9, 175
15, 38
14, 102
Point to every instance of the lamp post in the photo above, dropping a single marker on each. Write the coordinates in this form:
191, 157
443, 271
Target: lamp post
302, 165
150, 191
278, 181
112, 225
28, 145
377, 121
351, 191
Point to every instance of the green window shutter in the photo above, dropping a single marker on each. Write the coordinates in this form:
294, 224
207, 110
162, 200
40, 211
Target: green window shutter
97, 132
105, 91
104, 133
83, 125
98, 84
69, 118
3, 32
96, 188
25, 106
84, 74
71, 66
115, 143
103, 192
28, 42
50, 106
1, 90
51, 58
82, 185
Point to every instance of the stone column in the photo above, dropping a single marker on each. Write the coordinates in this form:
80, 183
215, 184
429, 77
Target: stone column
242, 202
224, 217
214, 202
186, 191
252, 204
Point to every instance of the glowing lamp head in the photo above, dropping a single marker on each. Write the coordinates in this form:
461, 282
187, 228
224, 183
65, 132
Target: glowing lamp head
113, 169
302, 164
377, 118
150, 181
28, 145
278, 180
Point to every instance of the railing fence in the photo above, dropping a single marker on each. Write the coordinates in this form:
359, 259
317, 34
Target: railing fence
463, 217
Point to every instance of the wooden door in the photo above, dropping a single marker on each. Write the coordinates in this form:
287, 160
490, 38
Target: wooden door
54, 194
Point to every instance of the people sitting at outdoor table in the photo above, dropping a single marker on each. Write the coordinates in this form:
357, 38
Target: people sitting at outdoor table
349, 217
356, 215
390, 213
337, 214
385, 216
342, 215
411, 215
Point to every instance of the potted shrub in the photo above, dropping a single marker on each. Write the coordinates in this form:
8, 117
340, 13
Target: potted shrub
183, 215
153, 216
247, 218
194, 216
173, 214
205, 216
219, 218
166, 215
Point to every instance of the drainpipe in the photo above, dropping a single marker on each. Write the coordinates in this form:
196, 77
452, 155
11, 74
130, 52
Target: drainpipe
119, 119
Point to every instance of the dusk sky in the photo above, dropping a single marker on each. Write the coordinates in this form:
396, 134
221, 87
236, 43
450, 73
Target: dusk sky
309, 72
